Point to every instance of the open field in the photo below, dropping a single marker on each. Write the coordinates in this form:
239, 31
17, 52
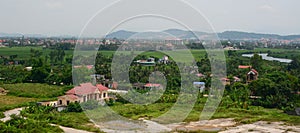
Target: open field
32, 90
10, 102
245, 116
24, 52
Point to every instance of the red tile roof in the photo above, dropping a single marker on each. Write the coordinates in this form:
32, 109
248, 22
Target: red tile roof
86, 88
200, 75
225, 79
74, 97
101, 87
244, 67
151, 85
253, 70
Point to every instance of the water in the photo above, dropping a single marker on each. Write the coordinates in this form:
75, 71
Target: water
269, 58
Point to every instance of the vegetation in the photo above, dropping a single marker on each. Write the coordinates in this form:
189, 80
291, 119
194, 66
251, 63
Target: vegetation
276, 90
11, 102
21, 125
35, 90
67, 119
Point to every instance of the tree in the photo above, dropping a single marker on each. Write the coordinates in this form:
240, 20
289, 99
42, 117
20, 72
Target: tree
238, 96
74, 107
276, 90
256, 61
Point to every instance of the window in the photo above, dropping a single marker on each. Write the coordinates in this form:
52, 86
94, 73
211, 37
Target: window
68, 102
104, 95
60, 102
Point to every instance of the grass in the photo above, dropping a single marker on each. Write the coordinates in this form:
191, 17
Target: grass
69, 119
24, 52
74, 120
1, 115
151, 111
11, 102
33, 90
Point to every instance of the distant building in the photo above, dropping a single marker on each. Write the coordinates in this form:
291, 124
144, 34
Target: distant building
200, 75
199, 85
148, 62
48, 103
153, 86
226, 81
244, 67
83, 93
164, 59
252, 75
174, 41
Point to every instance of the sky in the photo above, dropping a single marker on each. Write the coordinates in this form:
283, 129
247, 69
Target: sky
70, 17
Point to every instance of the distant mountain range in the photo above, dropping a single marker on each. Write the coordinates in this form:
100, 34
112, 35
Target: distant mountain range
182, 34
20, 35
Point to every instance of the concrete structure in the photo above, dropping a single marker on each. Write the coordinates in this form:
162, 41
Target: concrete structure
83, 93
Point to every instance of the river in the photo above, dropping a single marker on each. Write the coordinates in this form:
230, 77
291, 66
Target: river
269, 58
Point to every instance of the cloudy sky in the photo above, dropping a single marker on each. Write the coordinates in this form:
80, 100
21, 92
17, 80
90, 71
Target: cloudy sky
68, 17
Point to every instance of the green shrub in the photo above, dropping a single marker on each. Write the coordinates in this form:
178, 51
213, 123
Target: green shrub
21, 125
74, 107
1, 115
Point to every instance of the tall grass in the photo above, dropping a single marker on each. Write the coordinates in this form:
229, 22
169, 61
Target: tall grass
33, 90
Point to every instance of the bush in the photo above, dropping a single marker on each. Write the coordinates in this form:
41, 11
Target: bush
1, 115
20, 125
74, 107
110, 101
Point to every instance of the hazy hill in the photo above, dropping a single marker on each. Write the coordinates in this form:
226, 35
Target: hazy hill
233, 35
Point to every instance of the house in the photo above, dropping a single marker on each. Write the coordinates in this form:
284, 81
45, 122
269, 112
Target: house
153, 86
200, 75
148, 62
138, 86
252, 75
164, 59
226, 81
236, 79
199, 85
244, 67
48, 103
82, 93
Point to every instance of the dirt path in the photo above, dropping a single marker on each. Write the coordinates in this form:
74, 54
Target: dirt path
217, 125
264, 127
70, 130
8, 113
